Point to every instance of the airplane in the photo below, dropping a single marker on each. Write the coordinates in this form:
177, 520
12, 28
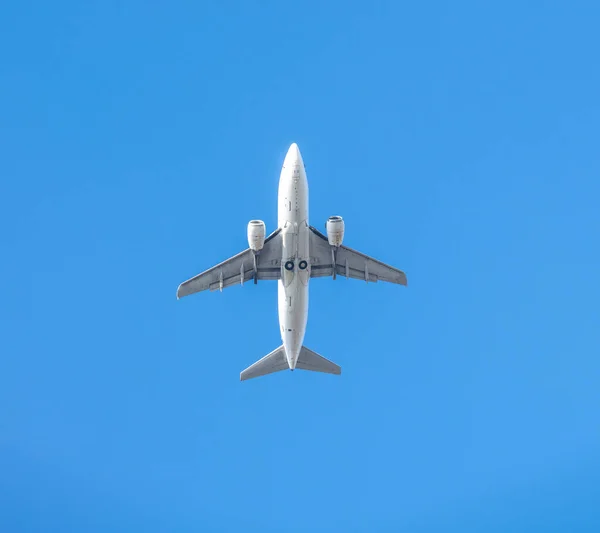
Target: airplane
293, 254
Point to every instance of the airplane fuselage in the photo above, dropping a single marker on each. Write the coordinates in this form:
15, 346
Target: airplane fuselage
293, 286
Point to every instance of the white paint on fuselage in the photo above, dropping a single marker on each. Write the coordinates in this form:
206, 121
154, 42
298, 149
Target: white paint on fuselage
293, 286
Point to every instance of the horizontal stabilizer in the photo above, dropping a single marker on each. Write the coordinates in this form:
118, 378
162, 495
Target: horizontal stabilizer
277, 361
273, 362
309, 360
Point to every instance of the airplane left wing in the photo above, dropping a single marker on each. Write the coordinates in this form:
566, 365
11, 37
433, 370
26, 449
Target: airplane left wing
239, 268
331, 261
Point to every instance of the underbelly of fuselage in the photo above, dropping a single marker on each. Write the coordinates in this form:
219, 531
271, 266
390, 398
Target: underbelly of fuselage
295, 270
293, 293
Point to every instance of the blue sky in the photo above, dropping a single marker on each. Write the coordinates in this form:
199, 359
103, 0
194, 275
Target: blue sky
459, 141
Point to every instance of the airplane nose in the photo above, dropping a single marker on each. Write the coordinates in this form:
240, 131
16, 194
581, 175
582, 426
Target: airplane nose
293, 156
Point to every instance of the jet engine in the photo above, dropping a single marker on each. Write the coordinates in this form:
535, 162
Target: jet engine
335, 230
256, 235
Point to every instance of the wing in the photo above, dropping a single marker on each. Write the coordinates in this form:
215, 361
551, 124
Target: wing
238, 269
330, 261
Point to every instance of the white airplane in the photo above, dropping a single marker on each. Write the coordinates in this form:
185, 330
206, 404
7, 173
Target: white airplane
292, 254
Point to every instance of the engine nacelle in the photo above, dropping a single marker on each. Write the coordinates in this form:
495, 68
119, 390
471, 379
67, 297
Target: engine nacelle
335, 230
256, 235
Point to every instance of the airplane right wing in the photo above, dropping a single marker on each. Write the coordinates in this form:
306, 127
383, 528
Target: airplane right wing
239, 268
330, 261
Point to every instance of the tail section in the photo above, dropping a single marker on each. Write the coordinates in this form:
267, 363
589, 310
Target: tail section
273, 362
277, 361
309, 360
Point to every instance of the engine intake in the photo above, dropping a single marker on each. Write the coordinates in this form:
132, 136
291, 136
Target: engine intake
256, 235
335, 230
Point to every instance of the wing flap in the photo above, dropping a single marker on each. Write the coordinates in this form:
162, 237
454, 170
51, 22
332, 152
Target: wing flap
349, 263
353, 264
238, 269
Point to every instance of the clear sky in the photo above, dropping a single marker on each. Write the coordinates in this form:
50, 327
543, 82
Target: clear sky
458, 141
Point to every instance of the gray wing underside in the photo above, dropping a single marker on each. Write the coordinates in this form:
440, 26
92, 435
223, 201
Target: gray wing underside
239, 269
348, 262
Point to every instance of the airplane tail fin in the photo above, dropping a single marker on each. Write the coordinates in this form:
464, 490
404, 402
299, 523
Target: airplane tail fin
277, 361
309, 360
